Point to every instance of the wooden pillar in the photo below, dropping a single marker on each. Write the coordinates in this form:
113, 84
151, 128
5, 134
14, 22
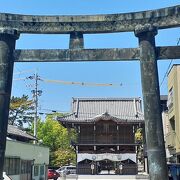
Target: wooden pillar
7, 45
76, 41
117, 136
151, 97
94, 134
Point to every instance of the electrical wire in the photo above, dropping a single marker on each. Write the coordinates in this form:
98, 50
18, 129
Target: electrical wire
24, 72
165, 75
72, 83
79, 83
17, 79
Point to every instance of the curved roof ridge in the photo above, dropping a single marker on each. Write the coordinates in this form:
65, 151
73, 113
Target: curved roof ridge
105, 98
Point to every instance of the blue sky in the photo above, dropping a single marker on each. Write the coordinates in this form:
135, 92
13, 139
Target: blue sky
58, 96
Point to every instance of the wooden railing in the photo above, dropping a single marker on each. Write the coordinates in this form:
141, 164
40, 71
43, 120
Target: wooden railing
105, 141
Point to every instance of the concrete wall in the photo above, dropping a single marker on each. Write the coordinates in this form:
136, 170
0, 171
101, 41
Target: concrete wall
27, 151
174, 110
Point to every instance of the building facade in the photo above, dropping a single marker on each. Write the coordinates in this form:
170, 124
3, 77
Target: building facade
173, 124
23, 159
105, 134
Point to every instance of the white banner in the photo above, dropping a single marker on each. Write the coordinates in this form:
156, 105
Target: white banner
109, 156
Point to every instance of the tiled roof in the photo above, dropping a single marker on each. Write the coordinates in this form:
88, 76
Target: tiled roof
15, 131
93, 109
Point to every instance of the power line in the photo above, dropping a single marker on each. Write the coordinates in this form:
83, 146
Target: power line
165, 75
71, 82
18, 79
54, 110
24, 72
79, 83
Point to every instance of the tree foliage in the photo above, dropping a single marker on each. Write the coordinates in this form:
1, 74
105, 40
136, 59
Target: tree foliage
51, 132
139, 139
21, 111
58, 139
63, 157
139, 135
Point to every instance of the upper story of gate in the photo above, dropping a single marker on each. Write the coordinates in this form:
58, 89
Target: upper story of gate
87, 24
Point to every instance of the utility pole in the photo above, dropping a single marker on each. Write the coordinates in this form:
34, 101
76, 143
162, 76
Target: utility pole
36, 93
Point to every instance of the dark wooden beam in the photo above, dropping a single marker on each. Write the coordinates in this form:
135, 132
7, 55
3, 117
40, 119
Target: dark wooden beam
108, 23
106, 144
76, 55
72, 55
168, 52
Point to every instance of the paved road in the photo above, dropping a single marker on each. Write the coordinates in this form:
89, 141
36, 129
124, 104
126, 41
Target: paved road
104, 177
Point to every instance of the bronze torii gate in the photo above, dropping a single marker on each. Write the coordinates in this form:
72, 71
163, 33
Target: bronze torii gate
145, 26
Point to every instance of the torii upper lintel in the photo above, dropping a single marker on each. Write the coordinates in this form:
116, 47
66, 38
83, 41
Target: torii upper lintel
88, 24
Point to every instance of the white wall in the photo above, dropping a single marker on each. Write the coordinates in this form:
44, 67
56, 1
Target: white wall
27, 151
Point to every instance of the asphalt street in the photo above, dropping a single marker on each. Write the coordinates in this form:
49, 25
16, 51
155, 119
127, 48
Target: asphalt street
104, 177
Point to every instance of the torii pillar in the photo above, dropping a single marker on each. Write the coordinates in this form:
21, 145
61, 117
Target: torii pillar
7, 45
151, 97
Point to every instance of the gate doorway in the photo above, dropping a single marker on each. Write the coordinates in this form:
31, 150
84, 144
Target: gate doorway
106, 167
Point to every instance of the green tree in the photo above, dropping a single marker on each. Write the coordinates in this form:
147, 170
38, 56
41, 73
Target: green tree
58, 139
21, 111
139, 135
139, 140
63, 157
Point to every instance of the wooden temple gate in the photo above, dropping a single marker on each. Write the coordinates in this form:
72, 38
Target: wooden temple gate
144, 24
